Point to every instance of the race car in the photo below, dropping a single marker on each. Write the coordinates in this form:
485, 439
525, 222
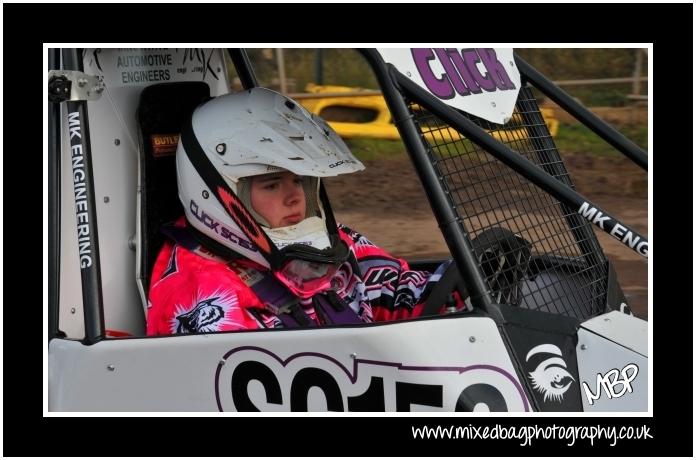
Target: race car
548, 328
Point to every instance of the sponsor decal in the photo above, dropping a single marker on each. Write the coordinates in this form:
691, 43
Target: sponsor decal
143, 66
481, 81
218, 228
466, 71
338, 163
618, 231
200, 60
609, 382
138, 68
550, 377
84, 235
164, 144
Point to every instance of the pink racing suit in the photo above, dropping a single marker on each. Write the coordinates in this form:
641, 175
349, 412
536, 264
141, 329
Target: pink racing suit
193, 293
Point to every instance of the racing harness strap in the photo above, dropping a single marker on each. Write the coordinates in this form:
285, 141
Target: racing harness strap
277, 298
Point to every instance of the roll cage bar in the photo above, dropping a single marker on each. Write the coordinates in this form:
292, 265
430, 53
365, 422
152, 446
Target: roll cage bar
90, 272
395, 87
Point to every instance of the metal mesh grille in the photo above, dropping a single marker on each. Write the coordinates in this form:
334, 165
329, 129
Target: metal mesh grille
564, 269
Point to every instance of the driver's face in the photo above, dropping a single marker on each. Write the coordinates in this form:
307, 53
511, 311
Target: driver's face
279, 198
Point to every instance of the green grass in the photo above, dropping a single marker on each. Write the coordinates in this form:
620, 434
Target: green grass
576, 138
373, 149
571, 138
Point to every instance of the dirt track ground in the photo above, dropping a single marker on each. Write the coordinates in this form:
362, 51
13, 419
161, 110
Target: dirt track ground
387, 204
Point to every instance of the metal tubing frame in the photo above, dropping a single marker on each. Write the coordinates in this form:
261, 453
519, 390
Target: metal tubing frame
451, 225
90, 273
582, 114
242, 65
524, 167
54, 142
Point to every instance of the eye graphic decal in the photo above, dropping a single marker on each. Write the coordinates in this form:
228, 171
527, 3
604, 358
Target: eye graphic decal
550, 377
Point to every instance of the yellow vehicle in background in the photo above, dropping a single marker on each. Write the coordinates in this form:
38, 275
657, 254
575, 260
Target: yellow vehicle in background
358, 112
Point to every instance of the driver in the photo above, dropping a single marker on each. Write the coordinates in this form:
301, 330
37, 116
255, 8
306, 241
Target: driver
258, 246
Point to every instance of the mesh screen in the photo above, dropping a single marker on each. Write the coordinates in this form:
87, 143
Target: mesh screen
533, 250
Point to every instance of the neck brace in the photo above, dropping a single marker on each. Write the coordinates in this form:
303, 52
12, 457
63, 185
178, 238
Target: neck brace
311, 231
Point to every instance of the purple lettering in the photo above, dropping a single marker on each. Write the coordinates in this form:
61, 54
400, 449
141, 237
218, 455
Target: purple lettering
451, 72
440, 87
462, 74
495, 68
456, 58
471, 57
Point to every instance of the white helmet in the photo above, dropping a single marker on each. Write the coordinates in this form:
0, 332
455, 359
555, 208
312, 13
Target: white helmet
249, 133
